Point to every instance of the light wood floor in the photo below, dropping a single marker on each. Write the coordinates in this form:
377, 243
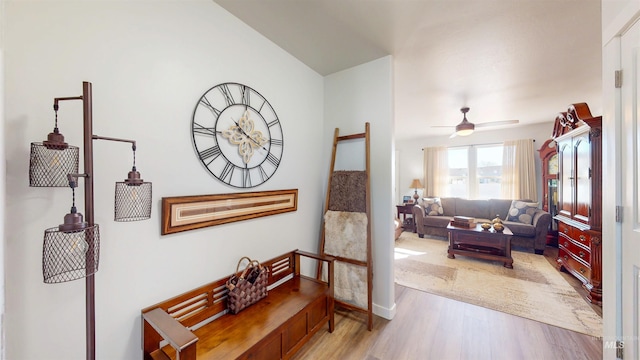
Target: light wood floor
428, 326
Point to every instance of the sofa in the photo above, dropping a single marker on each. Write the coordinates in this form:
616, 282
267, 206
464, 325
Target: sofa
528, 223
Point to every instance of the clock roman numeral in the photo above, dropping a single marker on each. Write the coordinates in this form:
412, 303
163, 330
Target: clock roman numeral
276, 142
246, 177
246, 95
274, 122
228, 97
273, 159
212, 152
205, 102
227, 172
263, 174
262, 105
199, 129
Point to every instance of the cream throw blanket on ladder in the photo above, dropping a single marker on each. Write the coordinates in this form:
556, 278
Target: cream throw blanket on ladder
345, 235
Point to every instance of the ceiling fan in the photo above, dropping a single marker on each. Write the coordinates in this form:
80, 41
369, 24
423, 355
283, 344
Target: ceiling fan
465, 127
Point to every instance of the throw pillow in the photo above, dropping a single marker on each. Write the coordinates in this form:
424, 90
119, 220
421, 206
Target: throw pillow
432, 206
522, 212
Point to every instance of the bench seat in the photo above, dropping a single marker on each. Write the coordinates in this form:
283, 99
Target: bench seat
277, 326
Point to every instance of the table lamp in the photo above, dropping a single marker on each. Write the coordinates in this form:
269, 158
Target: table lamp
415, 184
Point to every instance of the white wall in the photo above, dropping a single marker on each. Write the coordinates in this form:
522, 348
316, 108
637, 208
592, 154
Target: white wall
149, 62
2, 198
409, 163
352, 98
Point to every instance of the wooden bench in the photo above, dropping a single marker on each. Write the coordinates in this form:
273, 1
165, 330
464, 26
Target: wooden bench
196, 324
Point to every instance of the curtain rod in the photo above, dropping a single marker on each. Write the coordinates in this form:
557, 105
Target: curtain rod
534, 140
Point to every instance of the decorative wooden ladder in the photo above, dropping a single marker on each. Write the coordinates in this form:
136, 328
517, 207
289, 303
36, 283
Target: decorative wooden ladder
352, 207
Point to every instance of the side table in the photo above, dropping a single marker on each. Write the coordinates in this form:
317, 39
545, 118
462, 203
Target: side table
407, 222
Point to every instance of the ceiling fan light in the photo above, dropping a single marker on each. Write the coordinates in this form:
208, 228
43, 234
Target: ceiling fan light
464, 129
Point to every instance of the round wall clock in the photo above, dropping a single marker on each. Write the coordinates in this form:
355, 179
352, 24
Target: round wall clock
237, 135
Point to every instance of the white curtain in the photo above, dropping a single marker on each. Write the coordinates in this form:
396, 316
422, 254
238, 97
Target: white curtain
436, 171
519, 170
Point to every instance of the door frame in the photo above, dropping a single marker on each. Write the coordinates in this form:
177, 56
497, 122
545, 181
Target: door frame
612, 29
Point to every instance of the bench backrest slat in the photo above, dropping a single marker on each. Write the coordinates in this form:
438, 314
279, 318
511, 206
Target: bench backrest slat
209, 300
279, 268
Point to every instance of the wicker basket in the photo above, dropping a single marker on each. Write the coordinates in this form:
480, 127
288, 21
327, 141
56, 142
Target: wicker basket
248, 288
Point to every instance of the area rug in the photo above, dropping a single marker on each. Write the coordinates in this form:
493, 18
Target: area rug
533, 289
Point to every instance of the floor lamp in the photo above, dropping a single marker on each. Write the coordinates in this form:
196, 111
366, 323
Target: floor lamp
71, 250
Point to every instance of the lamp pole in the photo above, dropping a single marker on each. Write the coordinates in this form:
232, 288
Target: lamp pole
89, 216
87, 125
90, 260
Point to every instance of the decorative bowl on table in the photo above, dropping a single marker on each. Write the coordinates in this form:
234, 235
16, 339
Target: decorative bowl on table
497, 220
498, 227
485, 226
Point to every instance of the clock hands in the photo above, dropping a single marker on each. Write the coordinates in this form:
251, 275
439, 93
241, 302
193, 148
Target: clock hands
246, 116
244, 135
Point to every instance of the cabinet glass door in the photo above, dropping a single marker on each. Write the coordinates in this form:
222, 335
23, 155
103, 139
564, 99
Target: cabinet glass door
552, 203
582, 180
565, 205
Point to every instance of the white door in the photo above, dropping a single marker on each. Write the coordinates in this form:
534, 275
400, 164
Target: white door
630, 151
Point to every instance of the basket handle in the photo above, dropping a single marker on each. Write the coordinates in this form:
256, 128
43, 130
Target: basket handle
251, 264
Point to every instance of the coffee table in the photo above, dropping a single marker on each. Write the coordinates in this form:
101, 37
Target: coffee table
479, 243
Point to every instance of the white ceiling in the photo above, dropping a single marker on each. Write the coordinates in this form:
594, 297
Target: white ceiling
505, 59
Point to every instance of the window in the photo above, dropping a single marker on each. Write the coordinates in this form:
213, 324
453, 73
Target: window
475, 171
458, 181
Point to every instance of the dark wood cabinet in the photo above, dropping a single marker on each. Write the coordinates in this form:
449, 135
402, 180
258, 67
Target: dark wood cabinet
549, 157
579, 145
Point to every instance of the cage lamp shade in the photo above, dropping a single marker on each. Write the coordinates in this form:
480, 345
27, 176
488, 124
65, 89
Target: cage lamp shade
71, 251
133, 198
51, 160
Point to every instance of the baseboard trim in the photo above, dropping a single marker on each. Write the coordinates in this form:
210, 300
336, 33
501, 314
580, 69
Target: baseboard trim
387, 313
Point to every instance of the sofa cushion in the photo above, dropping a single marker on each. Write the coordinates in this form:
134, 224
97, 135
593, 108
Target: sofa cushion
432, 206
522, 212
448, 205
499, 208
437, 221
473, 208
520, 229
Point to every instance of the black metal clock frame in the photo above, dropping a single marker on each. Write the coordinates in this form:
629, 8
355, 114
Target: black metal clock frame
237, 135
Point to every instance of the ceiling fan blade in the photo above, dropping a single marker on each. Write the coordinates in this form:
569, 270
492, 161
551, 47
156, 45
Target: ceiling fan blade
497, 123
453, 135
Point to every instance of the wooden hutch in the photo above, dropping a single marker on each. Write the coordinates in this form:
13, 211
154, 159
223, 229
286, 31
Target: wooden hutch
578, 136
